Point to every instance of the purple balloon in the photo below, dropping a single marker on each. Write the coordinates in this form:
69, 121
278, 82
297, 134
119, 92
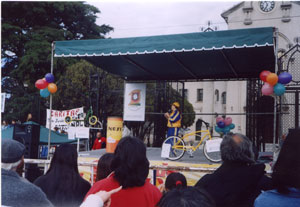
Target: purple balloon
284, 78
221, 124
49, 78
267, 89
228, 121
219, 118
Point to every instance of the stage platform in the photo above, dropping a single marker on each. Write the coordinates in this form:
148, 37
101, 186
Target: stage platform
153, 155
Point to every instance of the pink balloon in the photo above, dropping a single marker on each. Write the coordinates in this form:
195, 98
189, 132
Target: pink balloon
228, 121
267, 89
219, 118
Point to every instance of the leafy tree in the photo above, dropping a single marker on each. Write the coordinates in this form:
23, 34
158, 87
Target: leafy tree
28, 29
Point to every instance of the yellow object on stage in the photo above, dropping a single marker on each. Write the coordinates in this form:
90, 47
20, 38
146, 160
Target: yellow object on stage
114, 133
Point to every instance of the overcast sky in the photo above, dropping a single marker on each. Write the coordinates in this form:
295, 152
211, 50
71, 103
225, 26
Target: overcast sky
133, 19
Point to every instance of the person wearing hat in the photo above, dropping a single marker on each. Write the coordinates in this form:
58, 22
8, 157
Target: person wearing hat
174, 120
16, 190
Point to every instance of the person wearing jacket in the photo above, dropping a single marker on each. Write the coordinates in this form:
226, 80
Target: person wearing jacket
237, 181
285, 176
174, 120
130, 170
16, 190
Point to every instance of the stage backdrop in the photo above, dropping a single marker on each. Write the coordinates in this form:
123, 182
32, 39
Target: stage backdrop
134, 102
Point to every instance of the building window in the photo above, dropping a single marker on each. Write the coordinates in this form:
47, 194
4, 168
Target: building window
224, 98
199, 94
185, 93
217, 94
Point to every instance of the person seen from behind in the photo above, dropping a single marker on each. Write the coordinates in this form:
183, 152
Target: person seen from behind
62, 183
16, 190
175, 180
104, 166
130, 170
186, 197
237, 181
285, 176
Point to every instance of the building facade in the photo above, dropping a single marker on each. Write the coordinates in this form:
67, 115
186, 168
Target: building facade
230, 96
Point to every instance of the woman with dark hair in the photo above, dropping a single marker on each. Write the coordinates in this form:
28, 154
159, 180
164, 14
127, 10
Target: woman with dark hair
62, 183
187, 197
175, 180
285, 176
104, 166
131, 168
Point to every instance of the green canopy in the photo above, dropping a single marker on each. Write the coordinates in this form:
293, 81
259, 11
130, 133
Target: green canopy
230, 54
56, 138
7, 133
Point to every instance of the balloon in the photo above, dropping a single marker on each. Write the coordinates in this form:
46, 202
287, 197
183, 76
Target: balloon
52, 88
219, 118
267, 89
49, 78
44, 93
279, 89
226, 129
228, 121
218, 129
284, 78
272, 79
263, 75
221, 124
41, 84
232, 126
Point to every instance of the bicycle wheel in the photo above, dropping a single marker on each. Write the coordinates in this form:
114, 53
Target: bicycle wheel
177, 147
211, 149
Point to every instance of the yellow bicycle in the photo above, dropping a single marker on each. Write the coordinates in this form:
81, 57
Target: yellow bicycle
176, 146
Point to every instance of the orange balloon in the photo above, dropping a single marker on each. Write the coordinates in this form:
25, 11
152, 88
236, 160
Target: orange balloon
52, 88
272, 79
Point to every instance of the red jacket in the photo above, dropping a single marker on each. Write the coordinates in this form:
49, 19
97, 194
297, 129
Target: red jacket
145, 196
99, 143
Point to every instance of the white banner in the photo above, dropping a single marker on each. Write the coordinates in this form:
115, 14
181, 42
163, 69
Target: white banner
58, 118
82, 132
134, 102
78, 132
3, 96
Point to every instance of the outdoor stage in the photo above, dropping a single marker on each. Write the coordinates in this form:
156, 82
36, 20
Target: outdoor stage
193, 168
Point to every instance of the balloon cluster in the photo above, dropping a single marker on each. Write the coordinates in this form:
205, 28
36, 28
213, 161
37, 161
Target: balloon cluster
273, 83
46, 85
224, 125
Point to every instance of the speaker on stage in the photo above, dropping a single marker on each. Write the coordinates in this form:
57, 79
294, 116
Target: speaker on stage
29, 135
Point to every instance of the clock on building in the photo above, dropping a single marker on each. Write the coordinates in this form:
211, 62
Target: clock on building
266, 6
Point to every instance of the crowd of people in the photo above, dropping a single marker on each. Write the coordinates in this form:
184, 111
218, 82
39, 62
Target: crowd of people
122, 179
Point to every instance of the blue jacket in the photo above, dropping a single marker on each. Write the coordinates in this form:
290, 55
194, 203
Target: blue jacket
17, 191
275, 199
175, 119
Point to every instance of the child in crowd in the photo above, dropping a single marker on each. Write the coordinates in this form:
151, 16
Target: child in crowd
175, 180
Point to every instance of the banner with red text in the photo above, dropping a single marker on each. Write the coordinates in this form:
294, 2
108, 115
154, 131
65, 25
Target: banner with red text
58, 119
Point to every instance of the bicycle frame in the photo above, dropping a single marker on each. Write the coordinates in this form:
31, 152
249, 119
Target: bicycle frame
196, 133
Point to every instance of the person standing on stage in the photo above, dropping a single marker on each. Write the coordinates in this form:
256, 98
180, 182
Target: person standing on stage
174, 120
